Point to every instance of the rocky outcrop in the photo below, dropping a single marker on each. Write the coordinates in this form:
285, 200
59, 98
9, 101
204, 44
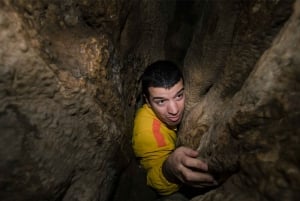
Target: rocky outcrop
248, 138
63, 133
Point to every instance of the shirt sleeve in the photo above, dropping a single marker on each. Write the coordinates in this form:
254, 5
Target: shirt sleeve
156, 180
152, 156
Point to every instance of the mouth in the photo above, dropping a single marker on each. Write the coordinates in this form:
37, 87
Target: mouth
174, 119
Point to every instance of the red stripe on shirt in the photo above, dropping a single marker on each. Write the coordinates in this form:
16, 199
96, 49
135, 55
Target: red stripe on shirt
160, 140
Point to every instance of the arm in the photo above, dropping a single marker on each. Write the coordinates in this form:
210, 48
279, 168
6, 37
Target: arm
157, 180
152, 157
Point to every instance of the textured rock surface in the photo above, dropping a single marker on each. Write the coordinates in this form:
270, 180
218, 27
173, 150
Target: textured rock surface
246, 122
69, 74
61, 117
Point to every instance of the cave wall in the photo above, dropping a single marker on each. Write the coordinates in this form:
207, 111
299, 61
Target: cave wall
69, 74
64, 134
244, 125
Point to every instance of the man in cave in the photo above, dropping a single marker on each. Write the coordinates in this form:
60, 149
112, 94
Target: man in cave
154, 136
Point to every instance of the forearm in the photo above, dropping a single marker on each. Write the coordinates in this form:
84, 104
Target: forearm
168, 174
157, 180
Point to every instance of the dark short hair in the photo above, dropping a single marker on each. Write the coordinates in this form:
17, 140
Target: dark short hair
161, 73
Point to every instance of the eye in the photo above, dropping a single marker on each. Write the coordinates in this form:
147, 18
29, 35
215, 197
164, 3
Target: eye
179, 96
160, 102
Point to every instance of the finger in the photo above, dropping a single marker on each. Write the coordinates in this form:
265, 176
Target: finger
195, 164
189, 152
198, 177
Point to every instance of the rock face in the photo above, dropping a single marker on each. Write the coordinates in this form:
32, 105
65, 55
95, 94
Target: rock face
248, 135
69, 74
62, 117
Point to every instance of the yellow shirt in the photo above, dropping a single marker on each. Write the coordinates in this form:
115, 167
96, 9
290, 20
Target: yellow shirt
153, 142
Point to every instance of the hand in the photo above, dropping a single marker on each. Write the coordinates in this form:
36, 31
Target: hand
183, 166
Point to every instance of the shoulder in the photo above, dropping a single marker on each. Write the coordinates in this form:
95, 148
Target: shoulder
144, 117
148, 132
143, 124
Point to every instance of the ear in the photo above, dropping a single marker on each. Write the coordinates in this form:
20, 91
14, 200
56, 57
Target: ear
146, 99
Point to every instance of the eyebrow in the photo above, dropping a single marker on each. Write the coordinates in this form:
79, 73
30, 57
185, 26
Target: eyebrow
180, 91
159, 98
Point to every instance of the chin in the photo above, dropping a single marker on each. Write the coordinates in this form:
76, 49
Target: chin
173, 124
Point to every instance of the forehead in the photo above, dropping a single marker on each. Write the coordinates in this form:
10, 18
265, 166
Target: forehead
161, 92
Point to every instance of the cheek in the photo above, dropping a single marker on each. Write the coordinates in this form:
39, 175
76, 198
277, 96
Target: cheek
181, 105
160, 111
157, 110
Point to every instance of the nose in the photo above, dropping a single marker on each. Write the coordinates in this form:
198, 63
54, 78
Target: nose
173, 108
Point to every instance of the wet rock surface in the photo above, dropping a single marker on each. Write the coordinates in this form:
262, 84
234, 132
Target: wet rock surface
69, 74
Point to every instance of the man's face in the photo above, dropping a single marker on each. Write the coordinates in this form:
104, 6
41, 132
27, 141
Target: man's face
167, 104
